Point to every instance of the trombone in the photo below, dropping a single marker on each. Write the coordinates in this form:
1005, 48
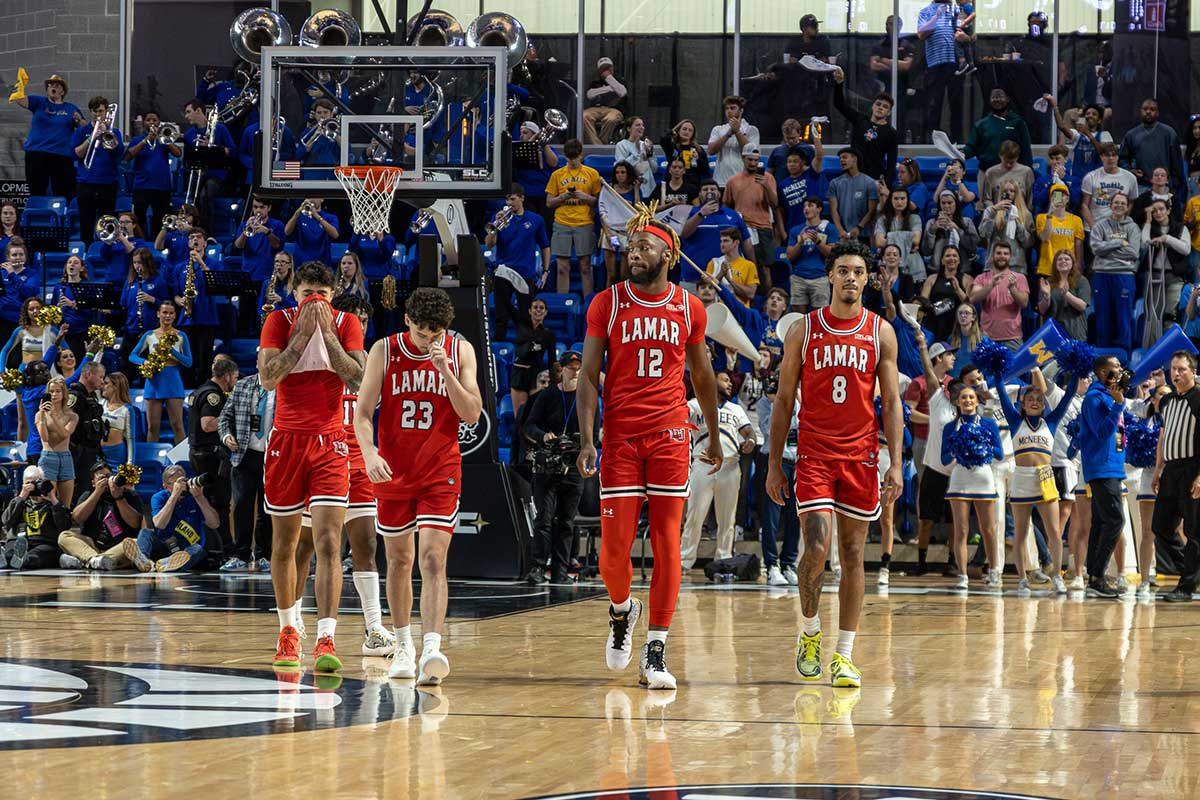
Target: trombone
107, 139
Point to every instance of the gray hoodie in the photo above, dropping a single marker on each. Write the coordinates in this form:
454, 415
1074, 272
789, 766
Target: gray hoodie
1117, 246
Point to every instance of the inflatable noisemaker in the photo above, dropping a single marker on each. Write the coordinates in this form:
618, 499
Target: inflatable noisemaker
1038, 350
1159, 356
723, 328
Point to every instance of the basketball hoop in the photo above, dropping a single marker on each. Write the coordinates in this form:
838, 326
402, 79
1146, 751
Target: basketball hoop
371, 190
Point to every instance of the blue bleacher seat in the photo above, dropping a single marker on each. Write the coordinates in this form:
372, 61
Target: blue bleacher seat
1136, 357
1119, 352
564, 314
506, 421
601, 163
336, 251
243, 351
57, 204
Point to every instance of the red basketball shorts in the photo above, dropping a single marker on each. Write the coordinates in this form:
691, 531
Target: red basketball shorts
303, 470
654, 464
362, 498
843, 487
435, 508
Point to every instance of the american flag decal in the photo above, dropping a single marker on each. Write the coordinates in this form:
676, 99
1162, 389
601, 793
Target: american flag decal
285, 171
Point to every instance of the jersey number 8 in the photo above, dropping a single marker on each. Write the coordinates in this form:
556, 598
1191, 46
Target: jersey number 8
650, 363
409, 411
839, 389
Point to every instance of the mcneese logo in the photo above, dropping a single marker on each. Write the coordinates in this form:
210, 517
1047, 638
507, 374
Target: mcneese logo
472, 436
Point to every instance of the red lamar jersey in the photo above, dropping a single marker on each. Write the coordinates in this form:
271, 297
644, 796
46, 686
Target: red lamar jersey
349, 401
309, 399
647, 337
837, 415
418, 426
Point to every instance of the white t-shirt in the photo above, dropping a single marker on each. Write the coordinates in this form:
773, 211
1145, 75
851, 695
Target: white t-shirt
729, 160
1101, 186
731, 418
941, 413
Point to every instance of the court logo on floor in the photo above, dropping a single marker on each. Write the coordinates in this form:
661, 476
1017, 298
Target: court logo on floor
53, 703
789, 791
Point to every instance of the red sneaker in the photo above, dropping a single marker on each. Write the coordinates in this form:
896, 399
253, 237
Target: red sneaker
326, 655
287, 654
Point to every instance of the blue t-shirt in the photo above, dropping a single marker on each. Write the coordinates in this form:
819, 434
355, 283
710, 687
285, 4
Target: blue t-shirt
176, 245
705, 242
52, 126
519, 245
1041, 192
105, 163
78, 320
852, 195
18, 287
186, 526
918, 195
221, 138
312, 242
258, 256
323, 152
811, 264
376, 256
777, 161
792, 192
151, 166
286, 298
159, 288
116, 260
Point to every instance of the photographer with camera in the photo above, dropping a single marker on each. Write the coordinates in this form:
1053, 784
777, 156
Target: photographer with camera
108, 514
180, 513
1102, 452
209, 457
35, 517
553, 432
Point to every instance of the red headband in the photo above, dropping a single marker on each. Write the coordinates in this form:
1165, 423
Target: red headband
654, 230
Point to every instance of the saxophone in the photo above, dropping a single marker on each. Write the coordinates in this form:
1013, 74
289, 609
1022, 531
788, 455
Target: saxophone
268, 307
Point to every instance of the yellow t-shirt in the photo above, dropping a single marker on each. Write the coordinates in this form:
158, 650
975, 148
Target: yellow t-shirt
1192, 211
1063, 235
573, 212
742, 269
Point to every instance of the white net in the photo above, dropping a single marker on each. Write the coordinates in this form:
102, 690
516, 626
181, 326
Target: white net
371, 190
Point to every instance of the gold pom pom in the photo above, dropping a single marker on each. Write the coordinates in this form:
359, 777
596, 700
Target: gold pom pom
12, 379
159, 356
131, 473
103, 334
48, 315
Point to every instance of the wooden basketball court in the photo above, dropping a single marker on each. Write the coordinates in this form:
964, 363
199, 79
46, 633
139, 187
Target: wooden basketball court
137, 686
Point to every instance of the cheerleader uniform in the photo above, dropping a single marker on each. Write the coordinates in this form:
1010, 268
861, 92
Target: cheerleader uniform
972, 483
1033, 435
34, 344
168, 383
119, 420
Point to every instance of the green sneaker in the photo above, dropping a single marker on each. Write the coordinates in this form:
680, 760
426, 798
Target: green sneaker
843, 673
808, 657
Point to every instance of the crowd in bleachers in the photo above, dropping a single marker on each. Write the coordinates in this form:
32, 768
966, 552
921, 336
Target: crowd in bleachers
1101, 238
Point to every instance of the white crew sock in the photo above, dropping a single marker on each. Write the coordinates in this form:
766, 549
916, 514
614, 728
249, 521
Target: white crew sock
433, 642
326, 627
367, 585
657, 636
285, 618
845, 643
297, 612
621, 608
810, 625
403, 635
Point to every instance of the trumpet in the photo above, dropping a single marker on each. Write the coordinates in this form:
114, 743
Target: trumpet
501, 221
377, 151
168, 133
268, 307
108, 228
307, 209
107, 139
174, 222
329, 129
254, 222
420, 220
554, 122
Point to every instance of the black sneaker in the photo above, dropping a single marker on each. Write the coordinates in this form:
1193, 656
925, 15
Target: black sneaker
652, 672
1098, 587
536, 576
1181, 594
561, 578
20, 551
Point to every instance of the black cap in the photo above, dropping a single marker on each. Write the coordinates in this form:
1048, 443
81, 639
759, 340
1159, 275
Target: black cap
809, 19
568, 357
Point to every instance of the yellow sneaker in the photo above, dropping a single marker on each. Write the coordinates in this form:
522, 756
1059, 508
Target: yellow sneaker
808, 657
843, 673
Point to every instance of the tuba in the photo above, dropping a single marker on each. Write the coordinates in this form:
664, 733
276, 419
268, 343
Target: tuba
256, 28
554, 122
438, 29
497, 29
434, 105
108, 228
330, 28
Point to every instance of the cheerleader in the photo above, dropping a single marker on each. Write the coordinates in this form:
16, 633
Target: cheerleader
166, 387
887, 516
118, 414
970, 444
63, 295
1033, 484
279, 295
33, 342
144, 290
374, 253
1142, 441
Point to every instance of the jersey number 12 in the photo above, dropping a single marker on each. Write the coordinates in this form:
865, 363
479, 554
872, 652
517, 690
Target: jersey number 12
650, 362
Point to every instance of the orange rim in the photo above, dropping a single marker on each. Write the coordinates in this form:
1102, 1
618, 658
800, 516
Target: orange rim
366, 170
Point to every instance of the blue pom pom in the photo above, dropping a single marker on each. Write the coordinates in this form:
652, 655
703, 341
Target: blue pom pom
992, 358
971, 445
1076, 357
1141, 444
879, 411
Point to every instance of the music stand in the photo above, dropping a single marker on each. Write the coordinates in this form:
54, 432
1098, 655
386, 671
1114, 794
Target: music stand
526, 155
47, 238
225, 282
204, 157
96, 296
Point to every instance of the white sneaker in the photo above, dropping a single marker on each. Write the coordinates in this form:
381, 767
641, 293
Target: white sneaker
379, 642
1123, 586
1076, 584
68, 561
1023, 587
837, 575
1143, 590
789, 574
884, 576
961, 583
618, 644
1060, 585
775, 577
404, 661
102, 563
434, 668
652, 671
1039, 577
993, 579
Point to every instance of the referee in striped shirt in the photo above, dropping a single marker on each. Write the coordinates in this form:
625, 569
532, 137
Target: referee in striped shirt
1177, 475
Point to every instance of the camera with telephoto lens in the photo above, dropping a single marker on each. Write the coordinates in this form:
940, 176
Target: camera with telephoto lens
120, 480
200, 481
557, 456
1126, 380
42, 488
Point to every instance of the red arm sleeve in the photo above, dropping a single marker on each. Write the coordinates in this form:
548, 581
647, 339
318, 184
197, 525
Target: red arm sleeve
699, 320
599, 314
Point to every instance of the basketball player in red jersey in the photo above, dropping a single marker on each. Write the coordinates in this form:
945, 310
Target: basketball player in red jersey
835, 354
360, 522
308, 355
647, 327
424, 382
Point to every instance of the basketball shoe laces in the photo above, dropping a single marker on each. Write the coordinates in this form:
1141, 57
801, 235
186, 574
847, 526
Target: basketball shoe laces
620, 628
656, 657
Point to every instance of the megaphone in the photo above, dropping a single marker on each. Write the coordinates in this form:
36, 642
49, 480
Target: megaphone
944, 146
1038, 349
723, 328
1159, 356
785, 324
